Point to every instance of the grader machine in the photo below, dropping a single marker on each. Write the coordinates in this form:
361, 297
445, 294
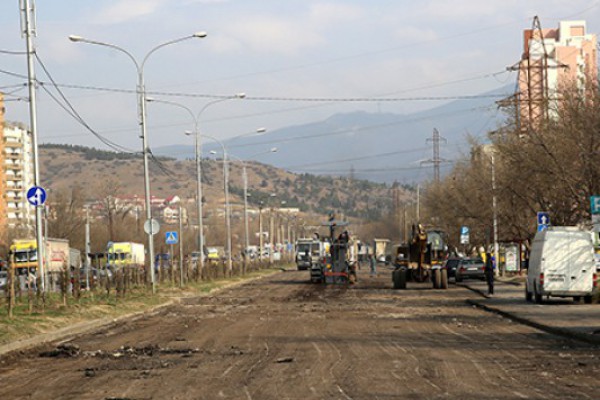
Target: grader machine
421, 259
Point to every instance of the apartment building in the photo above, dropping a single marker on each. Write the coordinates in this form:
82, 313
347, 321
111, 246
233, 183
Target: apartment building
3, 232
17, 177
551, 60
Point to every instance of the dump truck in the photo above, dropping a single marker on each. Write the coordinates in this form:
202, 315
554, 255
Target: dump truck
422, 259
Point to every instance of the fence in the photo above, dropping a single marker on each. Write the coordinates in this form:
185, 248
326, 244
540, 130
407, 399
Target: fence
108, 282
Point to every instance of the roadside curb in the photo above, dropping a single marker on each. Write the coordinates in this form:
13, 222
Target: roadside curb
563, 332
71, 332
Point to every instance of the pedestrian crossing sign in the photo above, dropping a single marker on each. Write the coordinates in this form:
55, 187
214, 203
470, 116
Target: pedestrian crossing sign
171, 237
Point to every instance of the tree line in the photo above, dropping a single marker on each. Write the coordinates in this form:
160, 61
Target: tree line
552, 165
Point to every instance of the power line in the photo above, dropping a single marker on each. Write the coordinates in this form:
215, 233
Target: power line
354, 130
379, 155
73, 113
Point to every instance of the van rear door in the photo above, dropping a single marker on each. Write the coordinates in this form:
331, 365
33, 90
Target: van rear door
581, 262
555, 261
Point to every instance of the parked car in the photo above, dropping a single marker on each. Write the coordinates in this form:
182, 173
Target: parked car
451, 264
470, 268
3, 279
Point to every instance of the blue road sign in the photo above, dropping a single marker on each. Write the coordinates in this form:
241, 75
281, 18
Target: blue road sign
464, 230
595, 204
36, 196
543, 220
171, 237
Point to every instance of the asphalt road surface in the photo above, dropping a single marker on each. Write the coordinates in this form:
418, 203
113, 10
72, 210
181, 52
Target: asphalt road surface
281, 337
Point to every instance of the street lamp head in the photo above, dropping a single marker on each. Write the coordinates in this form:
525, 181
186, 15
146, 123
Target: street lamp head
274, 150
200, 34
150, 99
261, 130
189, 133
240, 95
213, 152
75, 38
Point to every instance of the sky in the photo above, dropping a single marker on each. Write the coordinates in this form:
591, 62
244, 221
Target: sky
297, 61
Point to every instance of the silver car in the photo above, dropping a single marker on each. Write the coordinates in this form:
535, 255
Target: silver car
470, 268
3, 279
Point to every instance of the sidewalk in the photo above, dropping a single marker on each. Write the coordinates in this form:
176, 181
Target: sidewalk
557, 316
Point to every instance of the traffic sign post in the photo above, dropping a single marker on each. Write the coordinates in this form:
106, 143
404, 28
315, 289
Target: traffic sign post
595, 211
464, 235
151, 227
36, 196
543, 220
171, 237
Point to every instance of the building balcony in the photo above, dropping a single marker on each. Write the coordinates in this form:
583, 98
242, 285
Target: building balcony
12, 196
13, 167
13, 156
12, 145
14, 178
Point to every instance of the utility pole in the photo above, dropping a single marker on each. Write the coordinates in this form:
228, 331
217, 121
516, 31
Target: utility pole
260, 232
418, 203
28, 30
495, 212
87, 247
181, 247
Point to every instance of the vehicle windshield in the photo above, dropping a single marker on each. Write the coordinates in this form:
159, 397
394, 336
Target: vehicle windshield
25, 256
303, 247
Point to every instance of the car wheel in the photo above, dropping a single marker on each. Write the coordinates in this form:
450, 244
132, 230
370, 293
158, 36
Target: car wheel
458, 278
587, 299
577, 299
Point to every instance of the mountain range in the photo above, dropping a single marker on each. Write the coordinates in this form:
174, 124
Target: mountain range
383, 147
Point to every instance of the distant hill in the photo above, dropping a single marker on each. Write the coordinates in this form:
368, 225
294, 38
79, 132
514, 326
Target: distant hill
65, 166
380, 147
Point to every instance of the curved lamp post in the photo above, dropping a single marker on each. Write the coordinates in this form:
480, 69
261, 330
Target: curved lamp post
141, 92
198, 156
245, 178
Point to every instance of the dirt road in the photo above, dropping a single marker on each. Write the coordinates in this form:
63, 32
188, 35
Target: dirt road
283, 338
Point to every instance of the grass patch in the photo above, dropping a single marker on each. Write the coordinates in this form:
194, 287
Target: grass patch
96, 305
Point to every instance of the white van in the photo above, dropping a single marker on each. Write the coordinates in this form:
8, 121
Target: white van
561, 264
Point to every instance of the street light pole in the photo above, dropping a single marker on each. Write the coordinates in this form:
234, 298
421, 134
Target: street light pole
198, 155
227, 212
141, 92
495, 212
245, 181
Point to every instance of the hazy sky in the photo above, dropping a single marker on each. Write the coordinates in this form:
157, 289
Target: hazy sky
280, 49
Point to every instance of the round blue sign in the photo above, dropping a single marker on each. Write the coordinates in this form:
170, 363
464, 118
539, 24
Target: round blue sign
36, 196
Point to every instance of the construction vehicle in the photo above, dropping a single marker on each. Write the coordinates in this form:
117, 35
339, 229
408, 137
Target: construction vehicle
421, 259
340, 262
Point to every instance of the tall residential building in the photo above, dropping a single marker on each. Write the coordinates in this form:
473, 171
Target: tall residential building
18, 177
3, 232
553, 59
